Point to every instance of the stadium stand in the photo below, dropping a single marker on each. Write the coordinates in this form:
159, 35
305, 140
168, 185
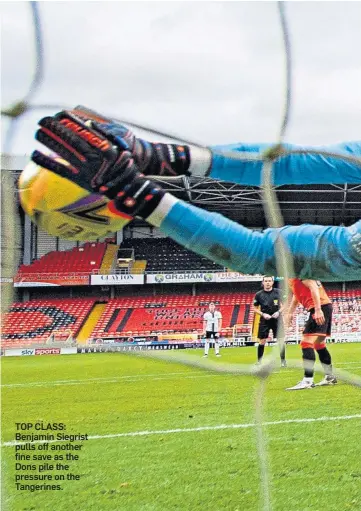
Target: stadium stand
346, 314
83, 259
33, 321
108, 261
152, 255
164, 254
170, 313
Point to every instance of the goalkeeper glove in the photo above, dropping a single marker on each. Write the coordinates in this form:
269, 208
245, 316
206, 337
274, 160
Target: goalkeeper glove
155, 159
152, 159
99, 161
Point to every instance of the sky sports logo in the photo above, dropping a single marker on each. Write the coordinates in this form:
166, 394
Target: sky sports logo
47, 351
27, 352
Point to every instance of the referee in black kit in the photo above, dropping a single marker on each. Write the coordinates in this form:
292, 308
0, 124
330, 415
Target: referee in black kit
267, 303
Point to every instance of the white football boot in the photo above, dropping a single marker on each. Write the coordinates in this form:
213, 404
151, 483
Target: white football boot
329, 379
303, 384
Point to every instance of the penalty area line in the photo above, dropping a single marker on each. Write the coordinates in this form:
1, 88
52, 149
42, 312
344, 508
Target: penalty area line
196, 430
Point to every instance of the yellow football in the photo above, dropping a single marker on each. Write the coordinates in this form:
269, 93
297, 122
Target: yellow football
64, 209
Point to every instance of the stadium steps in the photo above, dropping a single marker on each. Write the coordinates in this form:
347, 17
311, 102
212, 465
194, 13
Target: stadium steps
241, 320
247, 314
89, 324
139, 266
109, 326
234, 315
108, 259
115, 320
255, 325
124, 321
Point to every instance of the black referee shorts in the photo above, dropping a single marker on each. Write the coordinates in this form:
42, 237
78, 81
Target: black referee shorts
312, 328
265, 325
211, 335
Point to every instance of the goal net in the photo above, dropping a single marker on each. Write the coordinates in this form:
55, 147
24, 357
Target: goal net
345, 325
60, 336
242, 332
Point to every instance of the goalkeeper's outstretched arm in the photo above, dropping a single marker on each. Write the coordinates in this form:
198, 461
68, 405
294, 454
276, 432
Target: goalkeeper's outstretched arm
242, 163
241, 167
101, 161
319, 252
296, 169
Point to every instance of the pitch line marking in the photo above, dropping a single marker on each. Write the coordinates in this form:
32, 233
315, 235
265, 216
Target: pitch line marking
195, 430
348, 363
115, 379
135, 377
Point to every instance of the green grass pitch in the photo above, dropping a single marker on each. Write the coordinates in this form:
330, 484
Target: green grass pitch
313, 465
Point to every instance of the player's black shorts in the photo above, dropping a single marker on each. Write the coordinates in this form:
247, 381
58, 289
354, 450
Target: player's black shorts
211, 335
312, 328
265, 325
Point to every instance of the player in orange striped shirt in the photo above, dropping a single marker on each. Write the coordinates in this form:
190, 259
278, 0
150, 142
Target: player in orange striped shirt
312, 295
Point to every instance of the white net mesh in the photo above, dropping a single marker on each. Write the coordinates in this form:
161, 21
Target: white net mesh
16, 115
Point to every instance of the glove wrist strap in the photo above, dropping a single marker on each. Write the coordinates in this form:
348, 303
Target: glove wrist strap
139, 198
165, 159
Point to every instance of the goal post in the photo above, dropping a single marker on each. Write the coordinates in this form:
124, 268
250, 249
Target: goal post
242, 330
63, 336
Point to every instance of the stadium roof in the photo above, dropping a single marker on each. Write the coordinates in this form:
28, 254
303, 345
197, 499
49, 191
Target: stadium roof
317, 204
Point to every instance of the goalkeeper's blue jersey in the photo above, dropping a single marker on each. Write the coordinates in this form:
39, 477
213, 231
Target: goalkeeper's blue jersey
297, 169
318, 252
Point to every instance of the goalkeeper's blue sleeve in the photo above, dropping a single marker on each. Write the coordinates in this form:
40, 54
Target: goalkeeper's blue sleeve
294, 169
319, 252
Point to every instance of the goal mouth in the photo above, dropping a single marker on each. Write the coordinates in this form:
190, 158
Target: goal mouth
60, 336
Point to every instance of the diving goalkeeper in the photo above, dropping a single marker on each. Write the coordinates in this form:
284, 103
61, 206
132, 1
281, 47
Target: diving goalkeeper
107, 158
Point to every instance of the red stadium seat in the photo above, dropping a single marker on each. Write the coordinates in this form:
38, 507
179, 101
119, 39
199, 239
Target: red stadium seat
178, 313
83, 259
33, 322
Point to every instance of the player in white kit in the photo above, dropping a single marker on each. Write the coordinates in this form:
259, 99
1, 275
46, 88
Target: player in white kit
212, 325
